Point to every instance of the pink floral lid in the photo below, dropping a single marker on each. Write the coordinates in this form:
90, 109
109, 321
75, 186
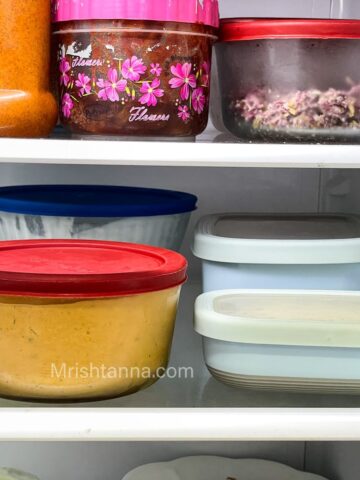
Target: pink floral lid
205, 12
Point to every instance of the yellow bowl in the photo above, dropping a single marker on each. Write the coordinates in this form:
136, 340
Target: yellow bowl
84, 349
85, 320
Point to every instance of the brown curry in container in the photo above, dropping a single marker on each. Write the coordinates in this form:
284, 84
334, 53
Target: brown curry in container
133, 77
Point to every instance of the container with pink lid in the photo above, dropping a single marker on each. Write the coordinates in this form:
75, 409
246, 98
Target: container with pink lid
134, 68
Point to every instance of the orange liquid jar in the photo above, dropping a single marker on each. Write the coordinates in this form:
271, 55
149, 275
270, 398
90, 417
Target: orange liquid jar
27, 108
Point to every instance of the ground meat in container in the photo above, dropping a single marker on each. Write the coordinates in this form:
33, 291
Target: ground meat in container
308, 109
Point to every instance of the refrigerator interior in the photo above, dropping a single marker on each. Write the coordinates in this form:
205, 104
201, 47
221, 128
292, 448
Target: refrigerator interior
218, 189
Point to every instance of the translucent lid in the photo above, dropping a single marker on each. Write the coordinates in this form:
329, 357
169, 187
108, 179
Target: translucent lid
273, 317
284, 239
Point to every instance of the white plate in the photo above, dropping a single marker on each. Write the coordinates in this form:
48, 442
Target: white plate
218, 468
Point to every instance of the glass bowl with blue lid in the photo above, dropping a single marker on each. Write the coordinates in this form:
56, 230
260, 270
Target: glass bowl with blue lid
125, 214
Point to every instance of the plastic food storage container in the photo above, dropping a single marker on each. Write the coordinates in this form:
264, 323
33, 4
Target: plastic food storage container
218, 468
290, 79
301, 340
27, 108
127, 214
134, 68
85, 320
13, 474
291, 251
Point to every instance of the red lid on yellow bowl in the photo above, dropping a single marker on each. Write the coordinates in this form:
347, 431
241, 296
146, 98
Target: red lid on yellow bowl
240, 29
86, 268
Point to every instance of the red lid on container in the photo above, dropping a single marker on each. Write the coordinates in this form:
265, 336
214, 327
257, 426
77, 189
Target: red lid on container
239, 29
86, 268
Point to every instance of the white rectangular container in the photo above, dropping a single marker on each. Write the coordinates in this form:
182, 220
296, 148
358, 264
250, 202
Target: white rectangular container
300, 251
282, 340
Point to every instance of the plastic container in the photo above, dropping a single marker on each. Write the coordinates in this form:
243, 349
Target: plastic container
287, 80
308, 341
218, 468
138, 69
291, 251
85, 320
27, 108
127, 214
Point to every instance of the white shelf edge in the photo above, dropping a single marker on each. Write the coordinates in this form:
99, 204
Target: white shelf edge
180, 425
179, 154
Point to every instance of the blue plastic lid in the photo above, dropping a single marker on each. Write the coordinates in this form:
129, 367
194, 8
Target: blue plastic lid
94, 201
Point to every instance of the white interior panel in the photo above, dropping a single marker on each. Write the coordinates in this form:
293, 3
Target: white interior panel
336, 461
345, 9
291, 8
340, 191
275, 8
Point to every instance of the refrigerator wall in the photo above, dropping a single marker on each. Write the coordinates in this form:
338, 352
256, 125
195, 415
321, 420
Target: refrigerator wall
345, 9
335, 460
276, 8
292, 8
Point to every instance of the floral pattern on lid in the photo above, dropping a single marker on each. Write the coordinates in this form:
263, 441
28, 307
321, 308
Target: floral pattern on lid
205, 12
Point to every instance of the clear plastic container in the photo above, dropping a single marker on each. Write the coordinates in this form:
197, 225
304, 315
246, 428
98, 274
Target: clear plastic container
91, 320
305, 341
138, 70
289, 251
125, 214
290, 80
27, 108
